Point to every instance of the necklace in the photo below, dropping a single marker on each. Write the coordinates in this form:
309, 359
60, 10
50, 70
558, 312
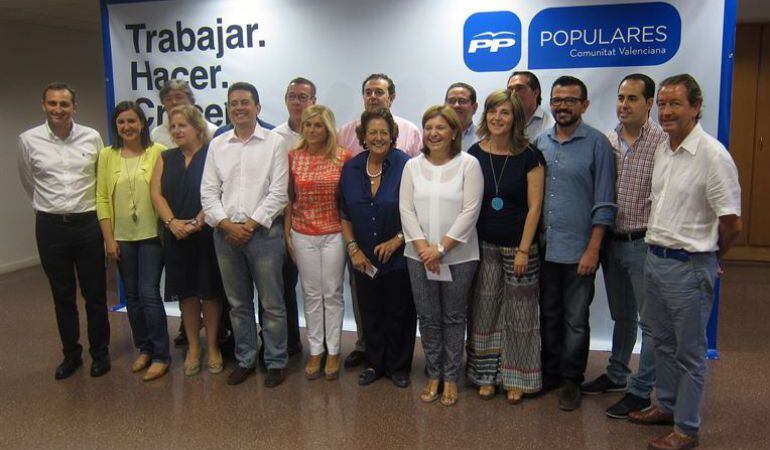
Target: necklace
372, 176
497, 202
132, 186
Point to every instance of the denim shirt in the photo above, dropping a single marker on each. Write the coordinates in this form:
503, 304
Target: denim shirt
374, 219
579, 191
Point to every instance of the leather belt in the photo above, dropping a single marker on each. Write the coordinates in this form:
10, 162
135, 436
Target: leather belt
67, 217
632, 236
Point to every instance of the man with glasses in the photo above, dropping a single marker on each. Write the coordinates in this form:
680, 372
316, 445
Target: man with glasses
526, 85
462, 98
578, 207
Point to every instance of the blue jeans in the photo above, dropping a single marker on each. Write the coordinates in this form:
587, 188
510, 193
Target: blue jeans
257, 263
679, 296
623, 267
140, 265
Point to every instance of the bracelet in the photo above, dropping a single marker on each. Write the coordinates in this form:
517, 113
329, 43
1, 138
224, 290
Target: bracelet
351, 242
526, 252
168, 222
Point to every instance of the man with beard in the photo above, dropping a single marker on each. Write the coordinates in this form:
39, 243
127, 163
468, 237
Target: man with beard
578, 207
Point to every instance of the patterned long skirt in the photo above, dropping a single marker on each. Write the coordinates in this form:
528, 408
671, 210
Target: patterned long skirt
504, 322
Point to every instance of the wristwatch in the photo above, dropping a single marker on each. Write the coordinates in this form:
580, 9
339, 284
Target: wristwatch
194, 222
400, 236
168, 222
441, 249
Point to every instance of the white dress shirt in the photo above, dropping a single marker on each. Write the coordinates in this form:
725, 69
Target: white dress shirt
162, 133
437, 201
289, 136
60, 175
540, 121
245, 178
409, 138
691, 188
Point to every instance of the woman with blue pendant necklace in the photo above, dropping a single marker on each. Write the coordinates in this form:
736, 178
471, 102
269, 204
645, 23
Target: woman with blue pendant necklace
129, 225
504, 324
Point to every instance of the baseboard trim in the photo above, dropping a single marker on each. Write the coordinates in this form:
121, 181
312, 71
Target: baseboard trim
18, 265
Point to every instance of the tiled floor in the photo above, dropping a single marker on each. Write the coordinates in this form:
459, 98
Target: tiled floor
120, 411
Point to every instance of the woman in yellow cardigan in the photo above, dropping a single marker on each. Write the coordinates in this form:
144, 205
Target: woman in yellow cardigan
130, 227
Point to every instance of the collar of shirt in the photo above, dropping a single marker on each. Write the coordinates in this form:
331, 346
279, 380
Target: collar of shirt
642, 134
690, 143
579, 133
258, 133
537, 115
53, 135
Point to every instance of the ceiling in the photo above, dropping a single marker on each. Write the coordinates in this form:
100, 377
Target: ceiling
83, 15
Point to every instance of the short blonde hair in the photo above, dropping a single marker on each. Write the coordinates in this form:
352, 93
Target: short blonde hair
194, 118
517, 136
327, 118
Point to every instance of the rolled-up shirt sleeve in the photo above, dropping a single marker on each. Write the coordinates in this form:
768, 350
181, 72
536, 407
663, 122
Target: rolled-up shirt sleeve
277, 192
473, 190
603, 211
723, 191
211, 192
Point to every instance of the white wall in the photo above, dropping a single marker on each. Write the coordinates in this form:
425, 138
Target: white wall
34, 56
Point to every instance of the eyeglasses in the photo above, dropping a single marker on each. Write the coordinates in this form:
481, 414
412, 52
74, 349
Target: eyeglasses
458, 101
301, 97
569, 101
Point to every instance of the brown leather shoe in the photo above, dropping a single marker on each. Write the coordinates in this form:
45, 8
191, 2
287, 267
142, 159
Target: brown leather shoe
141, 363
155, 371
332, 368
313, 367
674, 441
653, 416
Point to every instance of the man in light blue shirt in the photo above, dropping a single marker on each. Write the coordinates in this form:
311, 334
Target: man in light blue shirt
577, 209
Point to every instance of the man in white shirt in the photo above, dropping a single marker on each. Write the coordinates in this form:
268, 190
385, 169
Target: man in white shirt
526, 85
462, 98
57, 167
243, 194
694, 220
300, 93
174, 93
379, 91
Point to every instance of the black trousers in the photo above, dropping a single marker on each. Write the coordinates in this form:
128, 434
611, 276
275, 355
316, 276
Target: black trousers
70, 244
390, 320
290, 277
565, 299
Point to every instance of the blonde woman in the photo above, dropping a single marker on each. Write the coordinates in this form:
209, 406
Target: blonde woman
130, 228
313, 233
192, 274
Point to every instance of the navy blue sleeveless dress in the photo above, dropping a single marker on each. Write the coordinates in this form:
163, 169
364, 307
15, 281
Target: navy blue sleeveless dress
191, 264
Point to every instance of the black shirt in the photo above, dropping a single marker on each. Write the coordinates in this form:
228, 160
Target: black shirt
506, 226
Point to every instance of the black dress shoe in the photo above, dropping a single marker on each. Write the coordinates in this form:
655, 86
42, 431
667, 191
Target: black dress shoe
239, 375
100, 367
569, 396
67, 368
275, 377
368, 377
355, 358
400, 379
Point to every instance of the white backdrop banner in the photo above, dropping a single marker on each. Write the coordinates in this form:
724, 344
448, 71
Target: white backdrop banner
424, 46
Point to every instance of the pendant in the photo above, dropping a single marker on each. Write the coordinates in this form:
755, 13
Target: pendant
497, 203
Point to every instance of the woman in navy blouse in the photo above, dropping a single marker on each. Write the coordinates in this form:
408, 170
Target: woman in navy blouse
371, 227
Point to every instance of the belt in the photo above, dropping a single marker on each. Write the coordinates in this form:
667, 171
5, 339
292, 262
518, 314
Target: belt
671, 253
67, 217
632, 236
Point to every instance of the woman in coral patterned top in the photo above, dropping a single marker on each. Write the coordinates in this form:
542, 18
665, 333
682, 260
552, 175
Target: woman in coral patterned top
314, 234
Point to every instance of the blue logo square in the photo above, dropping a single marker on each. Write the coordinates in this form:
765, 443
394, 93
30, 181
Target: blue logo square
492, 41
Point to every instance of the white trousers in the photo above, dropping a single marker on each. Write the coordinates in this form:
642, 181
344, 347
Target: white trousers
321, 264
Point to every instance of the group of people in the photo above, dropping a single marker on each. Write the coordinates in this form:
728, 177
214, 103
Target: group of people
492, 230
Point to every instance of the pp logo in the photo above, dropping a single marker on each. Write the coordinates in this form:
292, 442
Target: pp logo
492, 41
